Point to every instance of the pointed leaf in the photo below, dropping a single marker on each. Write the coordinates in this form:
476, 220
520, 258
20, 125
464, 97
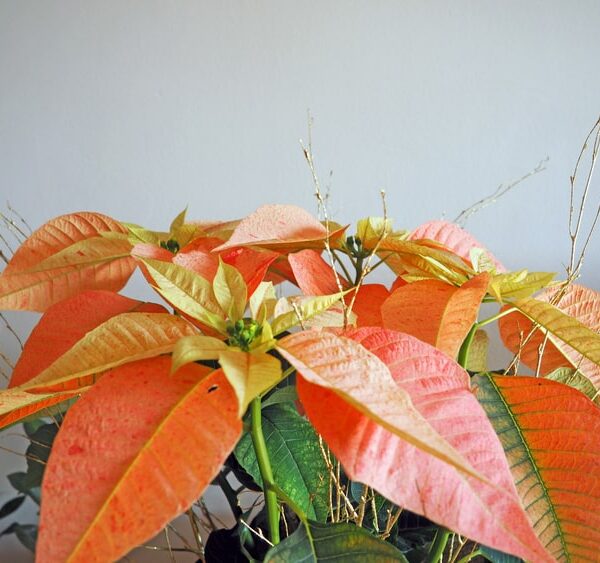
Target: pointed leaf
454, 238
67, 322
298, 465
485, 510
313, 274
186, 291
436, 312
250, 374
122, 339
368, 304
94, 263
550, 435
421, 259
58, 234
305, 309
281, 227
230, 291
576, 379
264, 291
193, 348
17, 404
578, 302
518, 285
364, 382
343, 543
130, 456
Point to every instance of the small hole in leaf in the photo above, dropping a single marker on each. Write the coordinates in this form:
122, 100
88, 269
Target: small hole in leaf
213, 388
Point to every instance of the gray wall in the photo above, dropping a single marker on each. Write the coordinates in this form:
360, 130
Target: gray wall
137, 109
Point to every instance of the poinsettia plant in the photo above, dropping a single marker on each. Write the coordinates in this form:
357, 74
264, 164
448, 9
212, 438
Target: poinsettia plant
349, 405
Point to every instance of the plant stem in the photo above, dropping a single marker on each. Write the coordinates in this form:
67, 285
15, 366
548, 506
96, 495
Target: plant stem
438, 545
266, 472
496, 317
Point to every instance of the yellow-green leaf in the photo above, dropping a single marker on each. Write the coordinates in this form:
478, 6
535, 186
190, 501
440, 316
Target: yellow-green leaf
375, 228
187, 291
230, 290
120, 340
562, 327
197, 347
250, 374
178, 222
305, 308
519, 285
264, 293
17, 404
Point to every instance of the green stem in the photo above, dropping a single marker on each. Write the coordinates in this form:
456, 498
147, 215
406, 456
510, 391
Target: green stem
463, 353
266, 472
438, 545
496, 317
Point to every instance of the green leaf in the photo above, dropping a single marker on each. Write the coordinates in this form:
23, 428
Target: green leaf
187, 291
11, 506
298, 466
496, 556
26, 534
520, 284
343, 543
286, 394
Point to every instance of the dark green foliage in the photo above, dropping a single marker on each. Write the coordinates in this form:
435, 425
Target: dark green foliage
298, 465
346, 543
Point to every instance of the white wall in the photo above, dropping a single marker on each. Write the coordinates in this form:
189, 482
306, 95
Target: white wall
139, 108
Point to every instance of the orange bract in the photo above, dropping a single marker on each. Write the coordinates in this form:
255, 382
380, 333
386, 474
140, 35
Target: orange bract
436, 312
140, 448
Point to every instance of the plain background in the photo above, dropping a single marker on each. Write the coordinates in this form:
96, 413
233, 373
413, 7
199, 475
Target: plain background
139, 108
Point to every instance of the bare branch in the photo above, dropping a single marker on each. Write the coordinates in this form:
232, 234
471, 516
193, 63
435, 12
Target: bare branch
501, 190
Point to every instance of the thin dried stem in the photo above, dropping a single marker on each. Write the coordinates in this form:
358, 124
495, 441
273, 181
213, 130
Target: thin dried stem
392, 518
20, 217
258, 532
322, 206
367, 267
501, 190
166, 530
7, 360
195, 529
11, 330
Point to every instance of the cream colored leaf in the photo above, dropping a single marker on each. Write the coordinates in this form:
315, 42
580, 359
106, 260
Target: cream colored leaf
187, 291
197, 347
230, 290
250, 374
120, 340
